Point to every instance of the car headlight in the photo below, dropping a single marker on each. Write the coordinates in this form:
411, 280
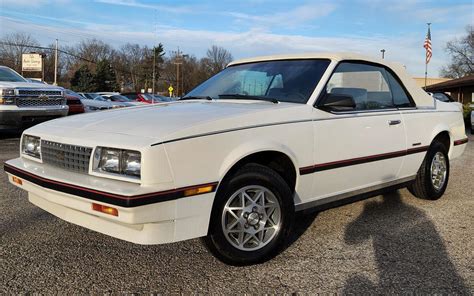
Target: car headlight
31, 146
117, 161
7, 96
7, 92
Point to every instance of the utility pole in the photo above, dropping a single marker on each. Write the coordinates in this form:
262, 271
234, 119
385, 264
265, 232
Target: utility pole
383, 53
178, 61
154, 71
56, 64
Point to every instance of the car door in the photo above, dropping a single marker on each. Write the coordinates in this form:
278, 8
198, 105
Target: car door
359, 148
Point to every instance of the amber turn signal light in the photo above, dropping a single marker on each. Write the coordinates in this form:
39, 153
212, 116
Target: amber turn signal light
105, 209
17, 180
199, 190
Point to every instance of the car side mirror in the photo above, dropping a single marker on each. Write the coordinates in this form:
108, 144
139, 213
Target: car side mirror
338, 102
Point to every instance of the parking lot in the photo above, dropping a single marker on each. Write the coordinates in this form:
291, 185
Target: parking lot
393, 243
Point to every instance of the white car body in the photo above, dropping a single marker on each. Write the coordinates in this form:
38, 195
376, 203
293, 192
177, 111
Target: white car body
191, 145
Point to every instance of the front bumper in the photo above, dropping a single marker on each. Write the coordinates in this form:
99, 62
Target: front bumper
155, 223
18, 118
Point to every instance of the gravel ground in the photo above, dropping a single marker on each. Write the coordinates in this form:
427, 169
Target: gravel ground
392, 243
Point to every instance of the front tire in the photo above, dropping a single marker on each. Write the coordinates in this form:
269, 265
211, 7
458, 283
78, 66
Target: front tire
433, 175
252, 216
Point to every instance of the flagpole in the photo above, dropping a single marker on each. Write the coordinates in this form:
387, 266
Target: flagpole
426, 61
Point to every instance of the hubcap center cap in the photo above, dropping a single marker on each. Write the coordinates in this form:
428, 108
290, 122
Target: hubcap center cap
253, 218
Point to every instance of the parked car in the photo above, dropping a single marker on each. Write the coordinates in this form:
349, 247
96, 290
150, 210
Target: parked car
23, 103
74, 102
444, 97
122, 99
241, 155
472, 120
145, 98
161, 98
107, 93
95, 102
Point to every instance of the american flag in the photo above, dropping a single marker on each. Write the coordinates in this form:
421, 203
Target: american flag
427, 46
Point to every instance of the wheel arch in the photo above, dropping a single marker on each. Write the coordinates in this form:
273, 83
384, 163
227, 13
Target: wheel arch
443, 135
280, 159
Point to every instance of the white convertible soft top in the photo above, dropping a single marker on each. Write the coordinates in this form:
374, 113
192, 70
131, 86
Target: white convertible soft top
421, 98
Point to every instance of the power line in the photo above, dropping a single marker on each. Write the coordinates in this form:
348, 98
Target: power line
119, 70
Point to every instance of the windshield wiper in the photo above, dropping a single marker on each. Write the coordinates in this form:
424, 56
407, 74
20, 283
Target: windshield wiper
196, 98
248, 97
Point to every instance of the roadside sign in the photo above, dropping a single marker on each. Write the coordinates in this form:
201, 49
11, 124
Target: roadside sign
31, 62
170, 89
150, 90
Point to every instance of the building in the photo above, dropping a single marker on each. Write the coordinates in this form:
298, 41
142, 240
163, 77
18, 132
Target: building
461, 89
420, 81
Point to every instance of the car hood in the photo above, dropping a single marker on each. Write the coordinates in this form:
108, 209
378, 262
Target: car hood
169, 121
27, 85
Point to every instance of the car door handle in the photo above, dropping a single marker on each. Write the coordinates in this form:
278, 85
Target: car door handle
394, 122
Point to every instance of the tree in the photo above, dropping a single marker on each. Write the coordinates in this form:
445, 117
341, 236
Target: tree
217, 59
83, 80
462, 56
105, 79
12, 46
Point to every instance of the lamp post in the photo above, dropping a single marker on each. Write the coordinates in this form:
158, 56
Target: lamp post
383, 53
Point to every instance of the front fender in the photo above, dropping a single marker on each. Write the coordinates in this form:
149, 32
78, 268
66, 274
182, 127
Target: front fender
249, 148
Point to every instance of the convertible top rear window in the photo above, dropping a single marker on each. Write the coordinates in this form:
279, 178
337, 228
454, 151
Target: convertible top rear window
286, 80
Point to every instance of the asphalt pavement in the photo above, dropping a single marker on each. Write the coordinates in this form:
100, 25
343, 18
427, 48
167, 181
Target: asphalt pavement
393, 243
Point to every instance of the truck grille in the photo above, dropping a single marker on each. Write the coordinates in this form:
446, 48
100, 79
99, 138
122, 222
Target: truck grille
39, 92
39, 102
65, 156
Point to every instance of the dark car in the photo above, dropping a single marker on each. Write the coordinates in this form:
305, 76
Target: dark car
73, 100
443, 97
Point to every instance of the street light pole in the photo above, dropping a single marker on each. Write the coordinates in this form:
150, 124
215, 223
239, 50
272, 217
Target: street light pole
56, 64
383, 53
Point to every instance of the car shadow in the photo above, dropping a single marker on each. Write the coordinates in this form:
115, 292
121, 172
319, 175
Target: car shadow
409, 253
301, 224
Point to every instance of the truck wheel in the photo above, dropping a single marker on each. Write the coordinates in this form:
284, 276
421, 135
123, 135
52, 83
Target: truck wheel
252, 216
432, 178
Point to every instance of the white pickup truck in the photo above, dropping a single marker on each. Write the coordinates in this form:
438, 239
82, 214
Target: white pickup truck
23, 103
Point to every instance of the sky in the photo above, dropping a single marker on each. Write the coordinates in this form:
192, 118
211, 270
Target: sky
251, 27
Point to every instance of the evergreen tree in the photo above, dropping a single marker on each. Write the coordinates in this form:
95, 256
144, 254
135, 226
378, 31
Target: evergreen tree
83, 80
105, 79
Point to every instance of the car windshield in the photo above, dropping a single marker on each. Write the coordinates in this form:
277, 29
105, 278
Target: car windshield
288, 81
10, 76
97, 97
149, 97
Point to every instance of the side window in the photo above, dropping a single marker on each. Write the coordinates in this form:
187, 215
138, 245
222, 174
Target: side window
400, 97
367, 84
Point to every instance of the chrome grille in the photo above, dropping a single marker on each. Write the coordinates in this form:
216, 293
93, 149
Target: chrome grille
69, 157
39, 92
26, 102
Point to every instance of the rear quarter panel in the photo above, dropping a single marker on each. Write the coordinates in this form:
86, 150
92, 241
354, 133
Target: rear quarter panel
423, 125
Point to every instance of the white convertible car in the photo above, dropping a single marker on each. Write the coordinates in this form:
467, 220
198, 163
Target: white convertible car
237, 158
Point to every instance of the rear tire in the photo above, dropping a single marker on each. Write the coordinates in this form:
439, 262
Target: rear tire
252, 216
432, 177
